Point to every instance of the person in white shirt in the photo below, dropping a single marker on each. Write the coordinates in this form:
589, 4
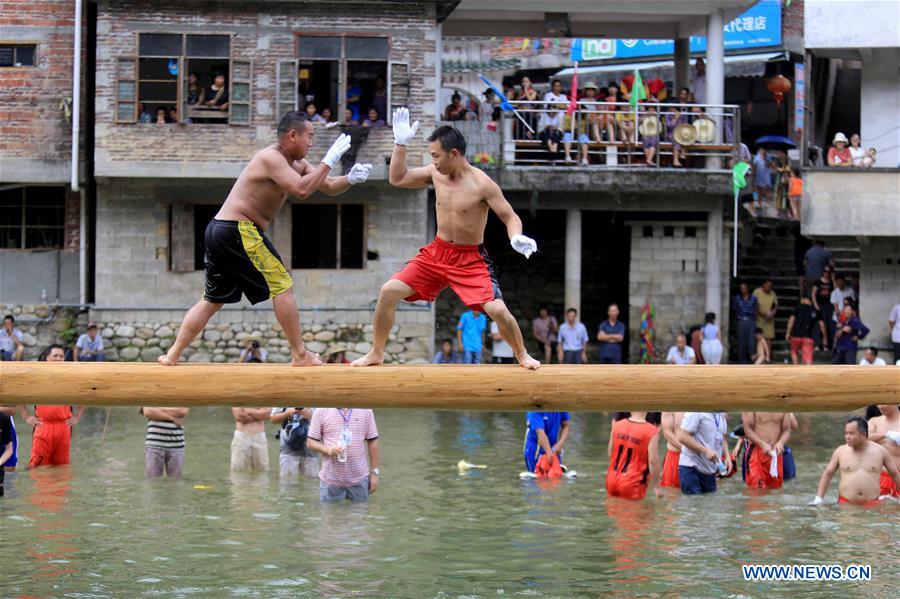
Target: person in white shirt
556, 102
698, 81
839, 294
894, 325
501, 351
89, 347
681, 352
870, 358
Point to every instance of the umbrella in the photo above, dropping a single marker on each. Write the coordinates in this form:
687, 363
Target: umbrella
775, 141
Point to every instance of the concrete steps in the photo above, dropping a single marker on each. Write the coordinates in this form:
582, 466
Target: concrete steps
767, 251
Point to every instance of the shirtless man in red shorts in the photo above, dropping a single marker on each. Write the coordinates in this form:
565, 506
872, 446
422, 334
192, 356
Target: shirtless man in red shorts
671, 423
860, 462
240, 260
885, 430
769, 432
456, 258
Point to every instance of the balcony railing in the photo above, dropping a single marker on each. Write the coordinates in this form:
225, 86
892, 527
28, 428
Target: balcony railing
602, 134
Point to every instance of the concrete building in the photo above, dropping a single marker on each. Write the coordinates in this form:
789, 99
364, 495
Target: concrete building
860, 203
43, 249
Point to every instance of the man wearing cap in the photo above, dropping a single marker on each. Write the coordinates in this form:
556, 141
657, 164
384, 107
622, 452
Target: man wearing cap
89, 347
839, 153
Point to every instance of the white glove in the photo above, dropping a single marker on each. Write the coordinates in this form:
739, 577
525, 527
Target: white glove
817, 501
773, 467
893, 437
337, 149
403, 133
524, 245
359, 173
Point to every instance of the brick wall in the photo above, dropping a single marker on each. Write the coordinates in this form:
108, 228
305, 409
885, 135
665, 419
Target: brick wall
132, 264
792, 26
264, 33
670, 273
34, 126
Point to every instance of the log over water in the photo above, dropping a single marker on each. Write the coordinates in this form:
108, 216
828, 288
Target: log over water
585, 388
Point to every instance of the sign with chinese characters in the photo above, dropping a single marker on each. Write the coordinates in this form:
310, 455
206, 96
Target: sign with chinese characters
758, 27
799, 100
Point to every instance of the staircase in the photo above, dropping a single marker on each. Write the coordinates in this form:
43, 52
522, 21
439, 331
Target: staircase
767, 251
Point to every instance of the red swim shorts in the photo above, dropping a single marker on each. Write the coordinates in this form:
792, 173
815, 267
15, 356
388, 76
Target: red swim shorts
758, 471
466, 269
670, 470
869, 503
888, 486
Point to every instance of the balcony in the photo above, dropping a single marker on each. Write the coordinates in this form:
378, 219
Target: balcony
603, 135
851, 202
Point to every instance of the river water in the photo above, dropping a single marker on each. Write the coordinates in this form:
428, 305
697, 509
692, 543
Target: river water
97, 528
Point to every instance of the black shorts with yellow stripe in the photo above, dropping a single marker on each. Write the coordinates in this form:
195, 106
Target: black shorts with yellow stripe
240, 260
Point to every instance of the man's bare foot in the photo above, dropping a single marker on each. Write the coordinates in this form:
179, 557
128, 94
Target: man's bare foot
168, 360
526, 361
370, 359
309, 358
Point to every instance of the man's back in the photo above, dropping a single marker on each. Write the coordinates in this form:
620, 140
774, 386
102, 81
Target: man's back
816, 259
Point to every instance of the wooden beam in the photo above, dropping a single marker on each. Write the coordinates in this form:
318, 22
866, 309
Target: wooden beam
490, 388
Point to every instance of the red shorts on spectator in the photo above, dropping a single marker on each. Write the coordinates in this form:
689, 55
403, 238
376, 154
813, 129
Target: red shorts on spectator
758, 476
466, 269
803, 345
888, 486
670, 470
869, 503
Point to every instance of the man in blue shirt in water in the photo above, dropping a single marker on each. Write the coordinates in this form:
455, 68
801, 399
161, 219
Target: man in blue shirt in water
470, 334
546, 434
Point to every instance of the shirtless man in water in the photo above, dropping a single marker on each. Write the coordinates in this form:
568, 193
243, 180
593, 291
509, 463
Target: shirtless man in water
456, 258
885, 430
239, 259
769, 432
860, 462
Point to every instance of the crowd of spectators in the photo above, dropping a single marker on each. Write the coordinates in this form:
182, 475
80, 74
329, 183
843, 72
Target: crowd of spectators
603, 116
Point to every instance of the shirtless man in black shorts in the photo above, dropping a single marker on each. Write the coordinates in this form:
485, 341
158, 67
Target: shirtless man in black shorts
239, 259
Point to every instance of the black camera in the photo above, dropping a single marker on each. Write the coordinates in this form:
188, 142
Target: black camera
254, 344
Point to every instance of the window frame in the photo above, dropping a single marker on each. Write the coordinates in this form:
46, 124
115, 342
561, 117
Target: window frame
183, 72
134, 80
365, 234
23, 227
15, 44
342, 64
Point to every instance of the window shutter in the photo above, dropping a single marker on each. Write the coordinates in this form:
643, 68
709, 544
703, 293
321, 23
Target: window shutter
399, 77
181, 238
287, 89
240, 96
126, 90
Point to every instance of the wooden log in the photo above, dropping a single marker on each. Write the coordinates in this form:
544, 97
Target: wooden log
446, 387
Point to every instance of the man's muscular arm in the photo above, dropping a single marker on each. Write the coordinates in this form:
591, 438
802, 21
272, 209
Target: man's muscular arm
401, 176
330, 186
501, 207
289, 179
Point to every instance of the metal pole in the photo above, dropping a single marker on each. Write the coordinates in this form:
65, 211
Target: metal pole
734, 252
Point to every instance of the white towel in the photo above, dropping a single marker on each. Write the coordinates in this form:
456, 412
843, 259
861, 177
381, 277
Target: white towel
773, 467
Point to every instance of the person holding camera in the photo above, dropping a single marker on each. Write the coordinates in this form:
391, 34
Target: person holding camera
293, 456
252, 351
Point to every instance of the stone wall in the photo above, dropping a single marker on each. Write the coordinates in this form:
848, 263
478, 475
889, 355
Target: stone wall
44, 324
143, 335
